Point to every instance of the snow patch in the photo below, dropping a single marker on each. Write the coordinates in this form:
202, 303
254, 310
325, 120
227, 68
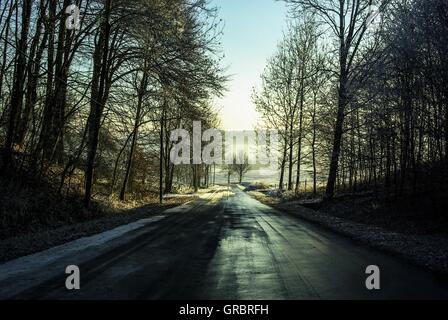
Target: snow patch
38, 261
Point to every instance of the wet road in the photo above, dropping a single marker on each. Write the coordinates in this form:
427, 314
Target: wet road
230, 246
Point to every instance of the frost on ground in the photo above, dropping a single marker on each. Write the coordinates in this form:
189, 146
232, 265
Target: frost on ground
29, 243
30, 270
426, 249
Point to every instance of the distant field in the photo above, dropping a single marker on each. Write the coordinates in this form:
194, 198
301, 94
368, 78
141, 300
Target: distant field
256, 175
264, 175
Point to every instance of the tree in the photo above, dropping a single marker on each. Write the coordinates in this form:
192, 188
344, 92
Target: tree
18, 85
99, 94
90, 102
285, 89
241, 168
347, 21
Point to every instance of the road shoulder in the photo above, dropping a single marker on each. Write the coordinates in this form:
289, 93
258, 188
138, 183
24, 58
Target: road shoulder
428, 251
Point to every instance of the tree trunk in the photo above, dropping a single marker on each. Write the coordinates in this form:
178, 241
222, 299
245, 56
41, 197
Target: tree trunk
161, 159
342, 102
36, 52
98, 97
141, 94
313, 144
299, 143
291, 152
18, 84
48, 113
5, 50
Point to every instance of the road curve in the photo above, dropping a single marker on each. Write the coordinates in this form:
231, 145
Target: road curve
230, 246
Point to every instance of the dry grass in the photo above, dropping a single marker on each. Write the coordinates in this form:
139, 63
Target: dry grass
31, 205
263, 198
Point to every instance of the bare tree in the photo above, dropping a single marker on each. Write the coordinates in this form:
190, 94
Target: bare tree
347, 21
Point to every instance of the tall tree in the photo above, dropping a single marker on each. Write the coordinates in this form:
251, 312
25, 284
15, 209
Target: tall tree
347, 20
18, 84
99, 94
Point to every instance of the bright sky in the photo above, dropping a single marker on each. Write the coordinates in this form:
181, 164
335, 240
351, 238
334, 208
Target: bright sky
251, 33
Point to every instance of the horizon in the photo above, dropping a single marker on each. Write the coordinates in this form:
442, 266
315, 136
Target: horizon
248, 42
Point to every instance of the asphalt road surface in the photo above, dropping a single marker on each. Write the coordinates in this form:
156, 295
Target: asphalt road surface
229, 246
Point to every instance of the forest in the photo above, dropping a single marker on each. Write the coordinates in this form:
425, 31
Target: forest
122, 170
358, 91
89, 91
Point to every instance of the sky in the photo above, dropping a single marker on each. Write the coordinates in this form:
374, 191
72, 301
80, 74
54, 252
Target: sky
251, 32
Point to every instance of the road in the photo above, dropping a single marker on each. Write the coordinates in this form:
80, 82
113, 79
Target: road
229, 246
